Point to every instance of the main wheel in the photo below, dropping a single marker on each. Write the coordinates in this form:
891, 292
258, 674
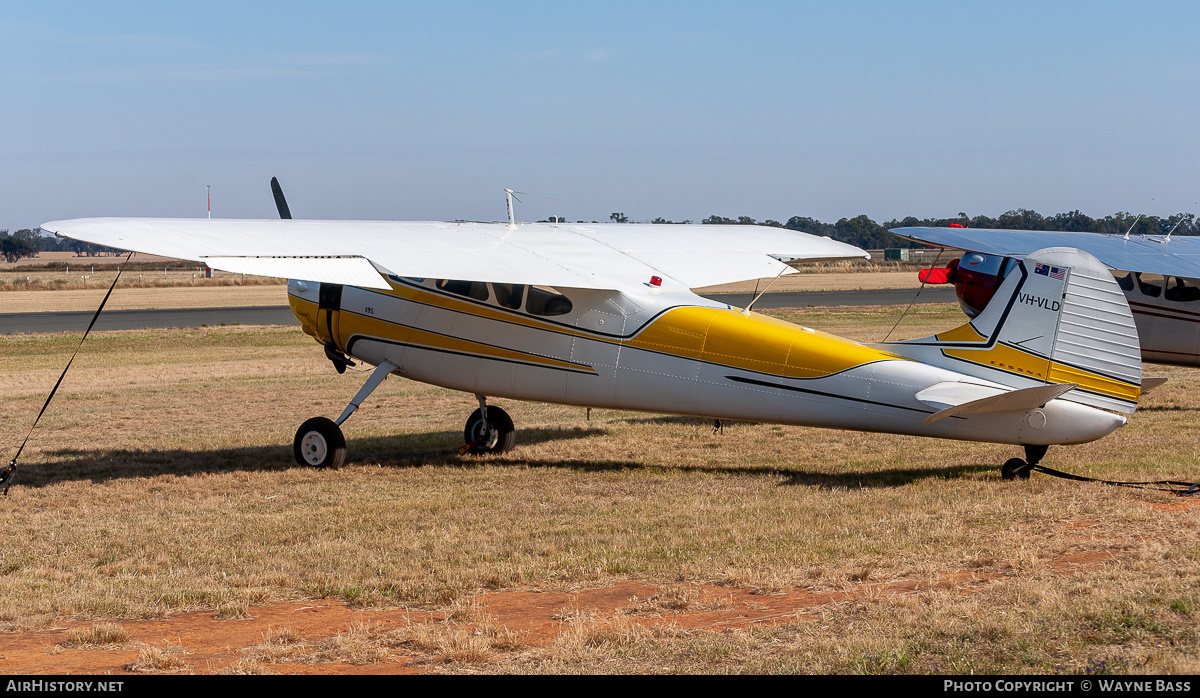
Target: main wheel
497, 437
1014, 468
319, 443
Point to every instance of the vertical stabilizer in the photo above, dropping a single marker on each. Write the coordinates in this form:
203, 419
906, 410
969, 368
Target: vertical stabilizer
1059, 317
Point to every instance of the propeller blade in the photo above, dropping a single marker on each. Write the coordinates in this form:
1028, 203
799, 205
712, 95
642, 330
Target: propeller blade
280, 202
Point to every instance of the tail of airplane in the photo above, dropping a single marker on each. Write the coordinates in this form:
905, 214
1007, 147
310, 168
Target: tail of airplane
1058, 318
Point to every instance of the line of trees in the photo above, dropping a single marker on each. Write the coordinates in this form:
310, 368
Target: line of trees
28, 243
863, 232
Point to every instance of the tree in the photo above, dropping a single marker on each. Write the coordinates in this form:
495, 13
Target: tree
809, 225
618, 218
862, 232
14, 248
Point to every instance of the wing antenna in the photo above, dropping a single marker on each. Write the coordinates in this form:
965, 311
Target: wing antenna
1135, 220
1182, 218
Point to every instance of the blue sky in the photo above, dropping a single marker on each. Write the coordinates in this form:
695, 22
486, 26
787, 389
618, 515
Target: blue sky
681, 110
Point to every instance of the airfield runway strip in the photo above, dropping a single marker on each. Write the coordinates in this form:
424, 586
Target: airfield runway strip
76, 321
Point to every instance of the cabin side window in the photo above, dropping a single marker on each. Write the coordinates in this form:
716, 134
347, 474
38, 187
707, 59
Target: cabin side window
546, 302
1180, 291
477, 290
509, 295
1125, 282
1150, 284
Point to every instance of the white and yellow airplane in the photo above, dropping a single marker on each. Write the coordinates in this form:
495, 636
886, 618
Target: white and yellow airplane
603, 316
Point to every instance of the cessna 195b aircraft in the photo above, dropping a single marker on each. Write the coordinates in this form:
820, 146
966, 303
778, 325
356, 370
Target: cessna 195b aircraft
1160, 276
603, 316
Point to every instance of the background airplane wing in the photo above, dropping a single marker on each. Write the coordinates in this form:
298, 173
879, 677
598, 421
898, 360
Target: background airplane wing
1179, 256
608, 256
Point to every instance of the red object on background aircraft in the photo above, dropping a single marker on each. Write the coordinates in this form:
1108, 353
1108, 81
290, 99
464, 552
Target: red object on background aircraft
975, 277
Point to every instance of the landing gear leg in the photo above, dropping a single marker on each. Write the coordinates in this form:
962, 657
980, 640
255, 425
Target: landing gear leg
1016, 468
1034, 454
488, 430
319, 441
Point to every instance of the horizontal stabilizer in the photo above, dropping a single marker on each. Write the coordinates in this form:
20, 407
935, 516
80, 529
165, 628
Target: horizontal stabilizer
1016, 400
1151, 383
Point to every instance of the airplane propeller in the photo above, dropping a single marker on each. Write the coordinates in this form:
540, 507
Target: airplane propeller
280, 202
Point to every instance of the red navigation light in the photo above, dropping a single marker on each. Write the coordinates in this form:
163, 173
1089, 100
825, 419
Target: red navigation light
956, 225
656, 281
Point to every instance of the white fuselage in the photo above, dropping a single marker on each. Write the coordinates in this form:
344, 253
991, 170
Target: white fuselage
655, 351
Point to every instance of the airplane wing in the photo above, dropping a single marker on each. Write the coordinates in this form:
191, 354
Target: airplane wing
601, 256
1179, 256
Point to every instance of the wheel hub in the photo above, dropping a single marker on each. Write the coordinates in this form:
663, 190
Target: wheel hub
314, 448
485, 436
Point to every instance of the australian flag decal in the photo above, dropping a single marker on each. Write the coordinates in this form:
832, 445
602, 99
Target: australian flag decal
1058, 273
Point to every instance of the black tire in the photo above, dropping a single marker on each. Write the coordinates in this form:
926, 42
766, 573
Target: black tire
319, 443
503, 435
1014, 468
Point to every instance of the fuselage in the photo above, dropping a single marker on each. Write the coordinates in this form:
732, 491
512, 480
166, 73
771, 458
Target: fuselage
654, 351
1167, 313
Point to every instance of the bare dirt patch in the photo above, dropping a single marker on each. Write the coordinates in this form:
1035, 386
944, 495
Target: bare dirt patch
329, 636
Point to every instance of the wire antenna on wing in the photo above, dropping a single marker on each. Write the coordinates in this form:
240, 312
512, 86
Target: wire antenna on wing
508, 195
1187, 214
1135, 220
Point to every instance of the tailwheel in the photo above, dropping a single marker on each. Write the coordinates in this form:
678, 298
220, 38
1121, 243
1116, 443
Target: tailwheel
496, 435
1015, 468
320, 444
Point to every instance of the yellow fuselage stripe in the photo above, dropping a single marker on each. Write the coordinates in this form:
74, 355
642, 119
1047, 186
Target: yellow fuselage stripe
1013, 360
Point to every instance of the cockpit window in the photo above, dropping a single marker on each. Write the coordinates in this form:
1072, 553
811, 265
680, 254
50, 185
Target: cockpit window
471, 289
981, 263
546, 302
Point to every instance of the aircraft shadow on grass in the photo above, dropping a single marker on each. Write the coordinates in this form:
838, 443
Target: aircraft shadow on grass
431, 449
402, 450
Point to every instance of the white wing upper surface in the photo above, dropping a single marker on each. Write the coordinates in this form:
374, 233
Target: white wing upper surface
601, 256
1177, 256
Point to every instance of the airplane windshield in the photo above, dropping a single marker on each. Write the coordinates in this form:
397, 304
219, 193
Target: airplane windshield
981, 263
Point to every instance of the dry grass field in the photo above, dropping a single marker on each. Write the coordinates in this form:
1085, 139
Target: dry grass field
158, 507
